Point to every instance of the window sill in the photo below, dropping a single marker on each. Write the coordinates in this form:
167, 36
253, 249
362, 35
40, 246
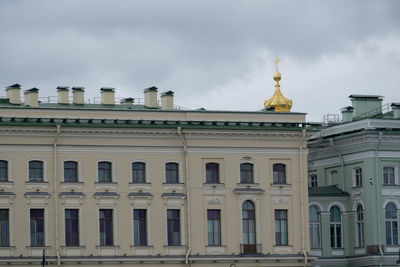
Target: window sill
390, 185
281, 185
247, 184
71, 185
37, 185
173, 183
36, 182
139, 183
101, 183
67, 183
106, 185
357, 187
6, 182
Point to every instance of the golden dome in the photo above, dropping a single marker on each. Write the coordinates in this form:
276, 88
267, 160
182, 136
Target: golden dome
278, 102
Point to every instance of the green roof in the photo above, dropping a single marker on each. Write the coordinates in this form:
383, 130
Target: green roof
326, 191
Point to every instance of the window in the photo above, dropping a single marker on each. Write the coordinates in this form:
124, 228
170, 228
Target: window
3, 170
174, 227
249, 227
313, 181
171, 173
35, 171
358, 177
315, 227
71, 227
388, 175
279, 173
138, 172
212, 173
140, 227
37, 227
70, 171
281, 228
106, 227
360, 226
214, 227
391, 224
336, 227
246, 173
104, 172
4, 228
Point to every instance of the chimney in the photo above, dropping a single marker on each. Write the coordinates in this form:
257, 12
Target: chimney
396, 110
63, 95
107, 96
347, 114
32, 97
167, 100
78, 97
150, 97
366, 105
13, 93
127, 101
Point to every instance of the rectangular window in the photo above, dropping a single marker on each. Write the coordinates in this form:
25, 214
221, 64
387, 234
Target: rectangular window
138, 172
35, 171
3, 170
72, 227
37, 227
358, 177
279, 173
388, 175
106, 227
281, 228
70, 171
214, 227
104, 171
246, 173
4, 228
174, 227
140, 227
171, 173
212, 173
313, 181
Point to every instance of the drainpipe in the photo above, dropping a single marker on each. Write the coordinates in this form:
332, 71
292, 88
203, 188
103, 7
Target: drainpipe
302, 198
341, 161
56, 193
378, 204
189, 240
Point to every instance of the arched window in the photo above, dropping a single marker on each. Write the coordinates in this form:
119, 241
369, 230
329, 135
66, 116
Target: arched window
315, 227
388, 175
171, 173
3, 170
70, 171
138, 172
35, 171
104, 172
212, 173
392, 236
246, 173
279, 173
249, 227
360, 226
358, 177
336, 227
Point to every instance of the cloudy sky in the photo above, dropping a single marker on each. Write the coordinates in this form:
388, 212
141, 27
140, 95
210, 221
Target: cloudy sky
212, 54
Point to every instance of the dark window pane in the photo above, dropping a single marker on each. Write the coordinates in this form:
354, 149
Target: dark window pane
37, 227
72, 227
140, 227
3, 170
173, 227
248, 224
36, 171
106, 227
214, 227
212, 173
138, 172
70, 171
4, 228
171, 173
279, 173
246, 173
104, 172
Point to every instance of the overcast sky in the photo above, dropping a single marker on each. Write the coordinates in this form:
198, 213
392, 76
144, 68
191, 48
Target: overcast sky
212, 54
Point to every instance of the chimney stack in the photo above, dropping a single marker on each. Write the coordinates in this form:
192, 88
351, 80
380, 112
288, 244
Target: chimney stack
347, 114
107, 96
78, 97
167, 100
13, 93
127, 101
63, 95
150, 97
32, 97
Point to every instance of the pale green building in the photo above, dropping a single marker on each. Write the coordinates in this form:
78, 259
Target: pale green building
354, 189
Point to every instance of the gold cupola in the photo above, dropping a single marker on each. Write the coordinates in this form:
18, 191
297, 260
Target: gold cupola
278, 102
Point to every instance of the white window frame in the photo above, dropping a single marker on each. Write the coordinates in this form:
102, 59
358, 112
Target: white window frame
80, 180
148, 223
46, 224
113, 167
310, 180
180, 174
115, 223
146, 170
358, 241
255, 169
80, 225
182, 224
396, 178
319, 225
256, 203
11, 226
354, 175
342, 210
9, 176
44, 170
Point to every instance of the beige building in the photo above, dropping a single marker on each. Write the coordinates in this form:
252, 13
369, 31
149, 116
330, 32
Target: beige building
134, 183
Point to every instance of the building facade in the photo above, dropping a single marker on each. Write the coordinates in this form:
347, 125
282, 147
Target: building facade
137, 183
354, 194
